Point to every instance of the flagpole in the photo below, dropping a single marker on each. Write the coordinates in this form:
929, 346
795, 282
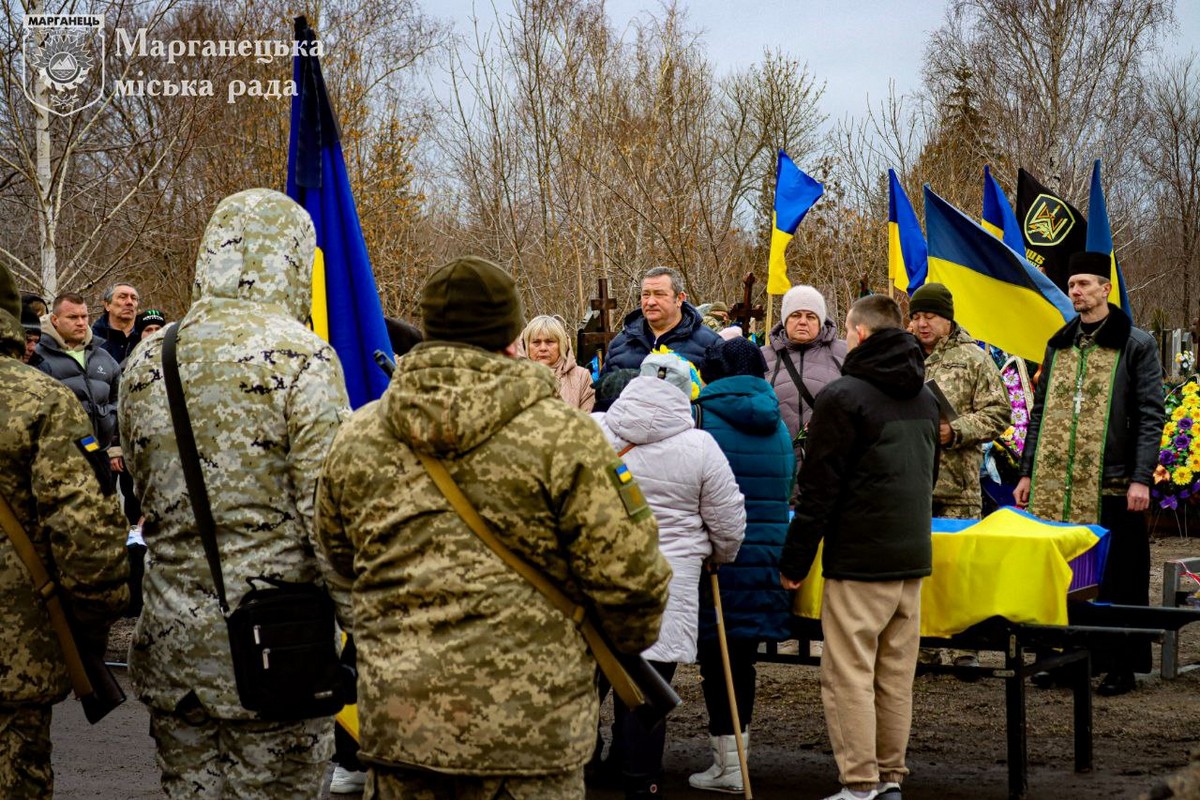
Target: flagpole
770, 308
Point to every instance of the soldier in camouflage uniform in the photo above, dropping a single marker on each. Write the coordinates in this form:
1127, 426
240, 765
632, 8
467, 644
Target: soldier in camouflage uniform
973, 386
79, 535
265, 396
470, 683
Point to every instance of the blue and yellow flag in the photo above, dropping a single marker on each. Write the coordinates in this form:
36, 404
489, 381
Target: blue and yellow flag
1099, 240
346, 311
795, 194
999, 219
908, 258
999, 297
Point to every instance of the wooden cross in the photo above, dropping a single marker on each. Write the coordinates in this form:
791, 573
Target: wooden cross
597, 331
743, 312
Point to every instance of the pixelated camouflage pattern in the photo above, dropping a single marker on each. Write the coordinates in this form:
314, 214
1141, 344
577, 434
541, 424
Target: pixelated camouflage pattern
1069, 462
973, 386
265, 396
242, 759
463, 666
25, 747
1181, 785
412, 785
78, 533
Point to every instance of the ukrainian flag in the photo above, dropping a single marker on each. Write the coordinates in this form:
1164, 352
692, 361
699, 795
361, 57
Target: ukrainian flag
1099, 240
908, 258
346, 311
999, 297
998, 216
795, 194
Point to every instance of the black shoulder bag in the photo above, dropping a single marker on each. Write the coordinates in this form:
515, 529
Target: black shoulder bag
282, 634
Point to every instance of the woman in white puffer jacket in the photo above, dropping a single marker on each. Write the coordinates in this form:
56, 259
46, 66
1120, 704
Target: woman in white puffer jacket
701, 514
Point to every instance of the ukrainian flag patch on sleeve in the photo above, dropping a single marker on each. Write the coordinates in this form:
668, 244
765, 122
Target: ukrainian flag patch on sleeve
88, 444
628, 490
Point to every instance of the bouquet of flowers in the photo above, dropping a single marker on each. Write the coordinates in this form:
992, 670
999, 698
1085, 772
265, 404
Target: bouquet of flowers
1177, 476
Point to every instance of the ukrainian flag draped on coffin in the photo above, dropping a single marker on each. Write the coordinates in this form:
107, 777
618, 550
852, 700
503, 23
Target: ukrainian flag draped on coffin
795, 194
999, 297
908, 259
1099, 240
346, 311
999, 219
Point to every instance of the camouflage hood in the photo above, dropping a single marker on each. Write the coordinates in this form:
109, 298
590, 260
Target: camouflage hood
448, 398
258, 247
12, 335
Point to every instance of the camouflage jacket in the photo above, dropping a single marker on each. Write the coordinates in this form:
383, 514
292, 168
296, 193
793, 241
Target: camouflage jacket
973, 386
463, 666
265, 396
79, 533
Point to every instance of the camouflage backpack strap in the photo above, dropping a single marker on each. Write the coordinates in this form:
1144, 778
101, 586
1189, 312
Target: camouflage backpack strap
189, 459
610, 663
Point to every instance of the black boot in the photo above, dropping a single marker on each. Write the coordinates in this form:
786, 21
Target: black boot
643, 787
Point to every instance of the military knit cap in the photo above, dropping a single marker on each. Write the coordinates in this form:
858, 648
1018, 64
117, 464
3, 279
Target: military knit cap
718, 306
932, 298
472, 301
1089, 263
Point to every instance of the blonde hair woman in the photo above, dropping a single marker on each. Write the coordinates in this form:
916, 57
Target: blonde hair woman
545, 341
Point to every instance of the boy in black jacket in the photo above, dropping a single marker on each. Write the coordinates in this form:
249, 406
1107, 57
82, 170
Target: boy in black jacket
866, 489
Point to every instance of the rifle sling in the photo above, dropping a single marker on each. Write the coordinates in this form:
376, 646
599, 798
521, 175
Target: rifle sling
45, 587
629, 692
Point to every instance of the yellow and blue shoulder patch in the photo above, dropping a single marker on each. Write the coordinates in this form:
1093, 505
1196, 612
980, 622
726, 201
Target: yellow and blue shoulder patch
627, 489
98, 460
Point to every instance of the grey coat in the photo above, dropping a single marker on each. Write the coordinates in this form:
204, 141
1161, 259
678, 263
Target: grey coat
96, 386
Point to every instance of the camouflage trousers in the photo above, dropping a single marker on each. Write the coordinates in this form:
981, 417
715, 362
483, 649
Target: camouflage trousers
203, 758
25, 772
957, 510
386, 784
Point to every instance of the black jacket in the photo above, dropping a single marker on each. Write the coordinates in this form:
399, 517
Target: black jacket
866, 486
116, 342
635, 341
96, 387
1135, 412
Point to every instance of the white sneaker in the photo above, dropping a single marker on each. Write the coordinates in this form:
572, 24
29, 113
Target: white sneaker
347, 781
847, 794
888, 791
134, 536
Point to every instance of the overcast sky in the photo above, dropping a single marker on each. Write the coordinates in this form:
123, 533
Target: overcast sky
855, 46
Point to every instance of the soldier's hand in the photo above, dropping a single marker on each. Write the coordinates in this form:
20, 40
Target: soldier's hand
117, 464
1021, 493
788, 583
1138, 497
945, 432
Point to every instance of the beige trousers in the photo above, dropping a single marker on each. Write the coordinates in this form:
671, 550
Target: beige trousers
872, 633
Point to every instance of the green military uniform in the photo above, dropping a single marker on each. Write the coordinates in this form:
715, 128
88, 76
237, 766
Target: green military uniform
973, 386
265, 396
464, 668
79, 535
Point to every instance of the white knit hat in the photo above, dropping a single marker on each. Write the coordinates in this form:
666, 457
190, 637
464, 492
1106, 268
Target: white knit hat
803, 298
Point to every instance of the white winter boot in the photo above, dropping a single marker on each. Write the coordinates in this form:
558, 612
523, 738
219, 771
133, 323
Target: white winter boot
725, 775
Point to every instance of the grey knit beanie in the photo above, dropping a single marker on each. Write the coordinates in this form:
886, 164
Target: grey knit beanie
803, 298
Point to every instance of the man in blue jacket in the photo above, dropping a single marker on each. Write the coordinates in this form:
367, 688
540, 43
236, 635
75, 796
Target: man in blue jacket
866, 488
664, 319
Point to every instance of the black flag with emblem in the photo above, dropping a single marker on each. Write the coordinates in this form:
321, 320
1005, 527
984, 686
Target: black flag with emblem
1053, 228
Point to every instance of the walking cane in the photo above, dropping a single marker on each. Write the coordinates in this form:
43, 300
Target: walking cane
733, 711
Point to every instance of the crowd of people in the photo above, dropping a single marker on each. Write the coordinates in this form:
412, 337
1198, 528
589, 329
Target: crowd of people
695, 451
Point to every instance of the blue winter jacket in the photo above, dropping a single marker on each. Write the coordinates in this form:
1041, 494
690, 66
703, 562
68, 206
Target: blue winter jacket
635, 341
742, 414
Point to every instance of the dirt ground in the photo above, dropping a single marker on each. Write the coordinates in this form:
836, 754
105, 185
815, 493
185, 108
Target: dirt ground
957, 748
